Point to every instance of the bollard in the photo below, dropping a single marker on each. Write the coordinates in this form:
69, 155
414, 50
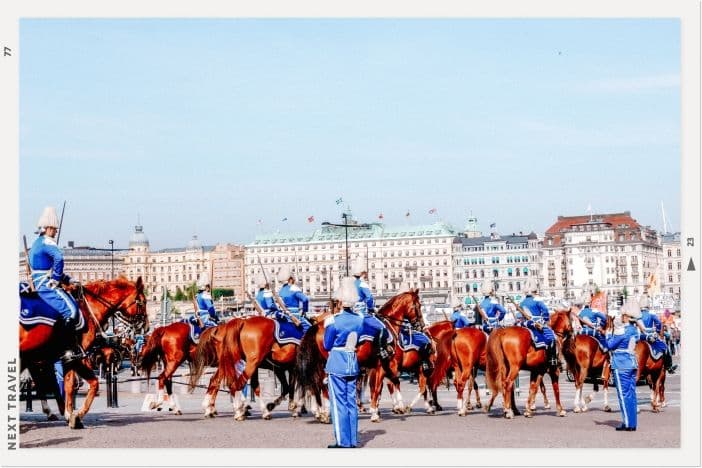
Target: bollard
108, 387
28, 396
115, 402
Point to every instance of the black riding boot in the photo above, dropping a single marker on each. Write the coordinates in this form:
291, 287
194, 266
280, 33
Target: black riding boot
552, 357
427, 366
73, 352
668, 362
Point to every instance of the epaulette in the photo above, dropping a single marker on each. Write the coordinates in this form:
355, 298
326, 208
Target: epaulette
295, 288
363, 284
49, 241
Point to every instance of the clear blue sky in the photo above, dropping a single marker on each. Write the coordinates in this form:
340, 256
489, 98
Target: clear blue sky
206, 126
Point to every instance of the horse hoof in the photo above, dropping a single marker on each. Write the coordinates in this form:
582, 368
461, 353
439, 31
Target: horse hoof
74, 422
510, 414
431, 410
241, 417
363, 409
303, 410
588, 399
270, 406
214, 413
52, 417
158, 409
375, 418
607, 409
469, 407
268, 416
528, 414
462, 413
664, 404
439, 407
585, 408
576, 410
561, 413
407, 410
547, 406
178, 413
478, 405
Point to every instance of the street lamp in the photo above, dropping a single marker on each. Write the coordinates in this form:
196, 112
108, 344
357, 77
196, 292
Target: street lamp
112, 258
346, 227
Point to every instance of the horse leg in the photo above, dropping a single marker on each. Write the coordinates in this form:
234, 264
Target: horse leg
534, 380
460, 383
359, 395
661, 389
557, 392
606, 371
376, 387
510, 407
208, 402
474, 378
88, 375
542, 387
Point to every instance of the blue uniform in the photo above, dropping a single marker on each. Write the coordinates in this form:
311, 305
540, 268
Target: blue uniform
206, 307
294, 300
539, 314
652, 325
265, 299
624, 367
598, 319
365, 306
342, 367
495, 313
46, 261
459, 320
417, 338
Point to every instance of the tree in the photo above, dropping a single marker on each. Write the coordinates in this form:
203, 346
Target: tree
191, 291
222, 292
179, 296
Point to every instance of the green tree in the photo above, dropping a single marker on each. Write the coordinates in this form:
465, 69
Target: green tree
179, 296
222, 292
191, 291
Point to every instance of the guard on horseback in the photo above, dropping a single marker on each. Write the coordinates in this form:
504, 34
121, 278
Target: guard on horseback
294, 299
206, 309
410, 336
458, 318
46, 263
265, 299
650, 326
537, 318
382, 338
592, 321
493, 310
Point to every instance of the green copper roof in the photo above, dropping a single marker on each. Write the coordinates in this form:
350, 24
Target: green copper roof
375, 231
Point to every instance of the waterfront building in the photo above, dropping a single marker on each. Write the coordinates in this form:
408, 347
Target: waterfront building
671, 265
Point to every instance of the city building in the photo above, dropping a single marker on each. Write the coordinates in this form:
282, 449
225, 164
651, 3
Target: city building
611, 252
671, 265
506, 261
397, 257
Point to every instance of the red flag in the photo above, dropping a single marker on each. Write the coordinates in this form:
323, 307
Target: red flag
310, 219
407, 215
259, 222
432, 211
599, 302
380, 216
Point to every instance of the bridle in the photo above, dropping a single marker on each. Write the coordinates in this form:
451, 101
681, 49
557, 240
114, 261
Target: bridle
135, 321
417, 323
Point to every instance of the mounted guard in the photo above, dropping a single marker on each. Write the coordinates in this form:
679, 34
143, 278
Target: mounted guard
537, 318
365, 306
458, 318
294, 299
492, 310
205, 305
651, 331
592, 321
265, 299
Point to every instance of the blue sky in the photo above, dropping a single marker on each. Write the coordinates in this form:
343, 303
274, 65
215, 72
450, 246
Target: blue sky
206, 126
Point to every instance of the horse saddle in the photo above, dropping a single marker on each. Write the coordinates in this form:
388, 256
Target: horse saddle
538, 339
409, 341
286, 333
195, 329
34, 311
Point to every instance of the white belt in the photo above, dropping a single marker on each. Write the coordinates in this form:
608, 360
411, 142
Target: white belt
343, 348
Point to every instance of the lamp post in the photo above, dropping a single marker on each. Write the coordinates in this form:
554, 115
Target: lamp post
346, 227
112, 258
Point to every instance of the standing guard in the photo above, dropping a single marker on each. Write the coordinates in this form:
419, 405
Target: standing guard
341, 334
365, 306
46, 263
293, 297
537, 318
206, 309
622, 342
651, 327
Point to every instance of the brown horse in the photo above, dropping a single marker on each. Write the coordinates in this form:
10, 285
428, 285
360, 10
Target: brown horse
653, 372
172, 345
509, 350
247, 345
97, 301
585, 359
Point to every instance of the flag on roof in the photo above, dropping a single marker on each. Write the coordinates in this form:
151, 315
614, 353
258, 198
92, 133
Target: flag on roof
432, 211
259, 222
380, 216
408, 214
284, 219
339, 201
310, 219
493, 225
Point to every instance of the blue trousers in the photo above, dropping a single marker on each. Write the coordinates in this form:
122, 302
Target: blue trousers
60, 301
58, 371
304, 323
371, 322
344, 412
625, 381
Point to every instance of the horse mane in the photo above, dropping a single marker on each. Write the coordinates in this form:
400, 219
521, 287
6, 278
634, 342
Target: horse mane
102, 286
391, 302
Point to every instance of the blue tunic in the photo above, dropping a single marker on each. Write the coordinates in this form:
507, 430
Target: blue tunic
296, 302
624, 368
652, 325
364, 294
265, 299
206, 306
46, 262
598, 319
539, 314
459, 320
342, 367
495, 313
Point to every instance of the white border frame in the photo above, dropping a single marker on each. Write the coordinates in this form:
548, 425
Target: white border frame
687, 11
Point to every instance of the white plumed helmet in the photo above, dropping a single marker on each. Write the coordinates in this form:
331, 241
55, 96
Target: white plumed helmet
486, 288
530, 286
358, 266
48, 218
284, 274
261, 281
631, 308
203, 281
347, 293
457, 304
644, 302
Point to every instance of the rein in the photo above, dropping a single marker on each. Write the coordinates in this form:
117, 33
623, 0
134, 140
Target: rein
111, 309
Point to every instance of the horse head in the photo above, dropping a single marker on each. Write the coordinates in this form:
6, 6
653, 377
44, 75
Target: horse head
121, 297
561, 323
404, 306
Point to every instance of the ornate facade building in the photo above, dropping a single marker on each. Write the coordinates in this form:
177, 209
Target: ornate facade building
397, 257
505, 261
610, 251
671, 265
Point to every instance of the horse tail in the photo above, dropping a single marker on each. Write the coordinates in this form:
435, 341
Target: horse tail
443, 359
310, 366
205, 354
151, 352
231, 352
495, 368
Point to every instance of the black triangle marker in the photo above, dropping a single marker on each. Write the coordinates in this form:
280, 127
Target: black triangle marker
691, 266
